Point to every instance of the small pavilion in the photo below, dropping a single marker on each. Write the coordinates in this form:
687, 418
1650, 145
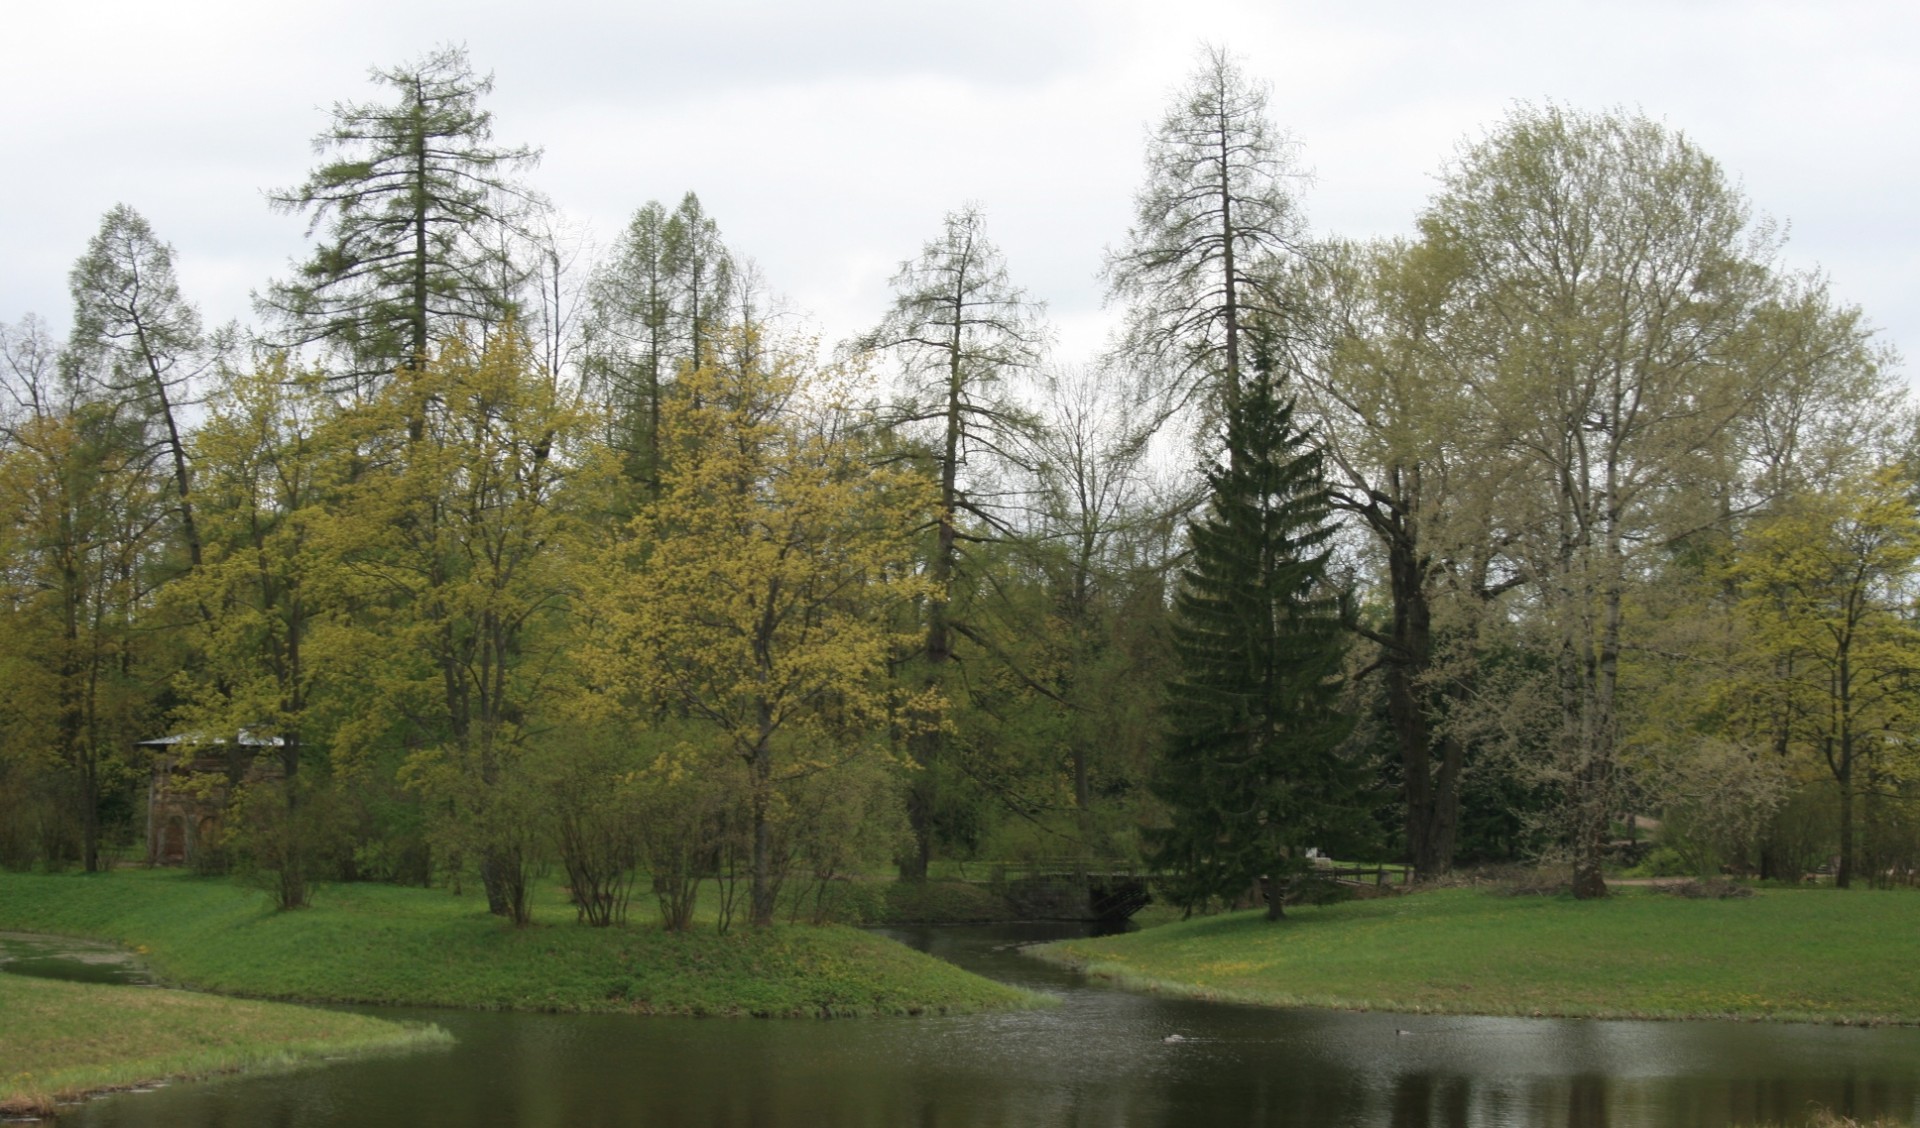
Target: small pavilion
193, 778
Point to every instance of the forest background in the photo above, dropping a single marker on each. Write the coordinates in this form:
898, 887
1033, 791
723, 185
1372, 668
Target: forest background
527, 555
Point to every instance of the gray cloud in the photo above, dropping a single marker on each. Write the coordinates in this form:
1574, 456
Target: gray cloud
828, 138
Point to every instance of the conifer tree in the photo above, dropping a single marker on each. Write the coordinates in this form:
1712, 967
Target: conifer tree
1252, 770
420, 208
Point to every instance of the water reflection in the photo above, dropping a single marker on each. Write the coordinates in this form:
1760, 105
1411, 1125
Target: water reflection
1099, 1058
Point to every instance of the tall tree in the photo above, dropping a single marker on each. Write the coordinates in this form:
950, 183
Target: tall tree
1408, 456
1826, 587
1252, 773
657, 305
1214, 227
1097, 545
139, 340
81, 513
961, 328
414, 205
1611, 278
272, 466
458, 532
757, 596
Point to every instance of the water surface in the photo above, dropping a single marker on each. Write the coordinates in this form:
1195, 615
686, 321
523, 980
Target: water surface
1100, 1058
65, 957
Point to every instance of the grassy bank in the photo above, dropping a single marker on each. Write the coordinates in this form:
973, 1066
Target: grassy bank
420, 947
61, 1041
1808, 956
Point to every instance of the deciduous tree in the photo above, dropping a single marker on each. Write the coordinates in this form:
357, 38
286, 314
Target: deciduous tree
755, 597
658, 303
1826, 586
961, 330
1612, 274
139, 340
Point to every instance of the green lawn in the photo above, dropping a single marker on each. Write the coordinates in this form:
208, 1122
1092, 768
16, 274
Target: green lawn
421, 947
1797, 955
59, 1041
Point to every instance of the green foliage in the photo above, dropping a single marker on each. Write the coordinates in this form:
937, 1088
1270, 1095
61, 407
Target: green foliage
1253, 773
81, 530
755, 601
418, 205
659, 304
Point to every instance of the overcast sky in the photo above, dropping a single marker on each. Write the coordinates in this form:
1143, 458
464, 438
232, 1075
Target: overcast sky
829, 138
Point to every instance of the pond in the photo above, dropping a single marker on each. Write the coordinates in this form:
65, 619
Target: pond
1102, 1057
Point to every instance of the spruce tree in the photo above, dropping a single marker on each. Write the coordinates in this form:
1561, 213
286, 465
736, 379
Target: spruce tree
1252, 772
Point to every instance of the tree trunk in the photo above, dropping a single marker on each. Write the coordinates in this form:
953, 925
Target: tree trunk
1843, 873
761, 895
1431, 791
929, 745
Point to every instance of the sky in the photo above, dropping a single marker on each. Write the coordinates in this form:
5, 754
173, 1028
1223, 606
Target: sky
829, 137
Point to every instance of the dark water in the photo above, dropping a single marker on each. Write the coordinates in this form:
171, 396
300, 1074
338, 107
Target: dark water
61, 957
1098, 1059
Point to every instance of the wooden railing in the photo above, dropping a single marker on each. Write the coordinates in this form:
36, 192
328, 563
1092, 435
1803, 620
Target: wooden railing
1360, 875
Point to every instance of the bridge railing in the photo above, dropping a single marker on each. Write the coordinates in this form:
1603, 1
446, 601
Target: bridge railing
999, 873
1366, 875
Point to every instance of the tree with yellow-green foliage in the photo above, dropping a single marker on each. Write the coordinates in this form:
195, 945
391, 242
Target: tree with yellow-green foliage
82, 510
272, 465
749, 603
1826, 591
455, 531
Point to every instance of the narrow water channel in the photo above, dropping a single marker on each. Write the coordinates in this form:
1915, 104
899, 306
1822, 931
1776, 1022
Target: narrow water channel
1100, 1058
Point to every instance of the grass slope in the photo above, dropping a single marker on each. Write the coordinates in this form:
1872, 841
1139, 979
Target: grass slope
61, 1041
417, 947
1807, 956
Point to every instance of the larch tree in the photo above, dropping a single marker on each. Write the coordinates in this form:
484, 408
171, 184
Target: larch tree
657, 305
961, 330
139, 340
1253, 774
1216, 229
416, 205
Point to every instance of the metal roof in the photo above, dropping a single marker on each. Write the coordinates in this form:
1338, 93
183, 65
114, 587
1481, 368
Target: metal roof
246, 740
